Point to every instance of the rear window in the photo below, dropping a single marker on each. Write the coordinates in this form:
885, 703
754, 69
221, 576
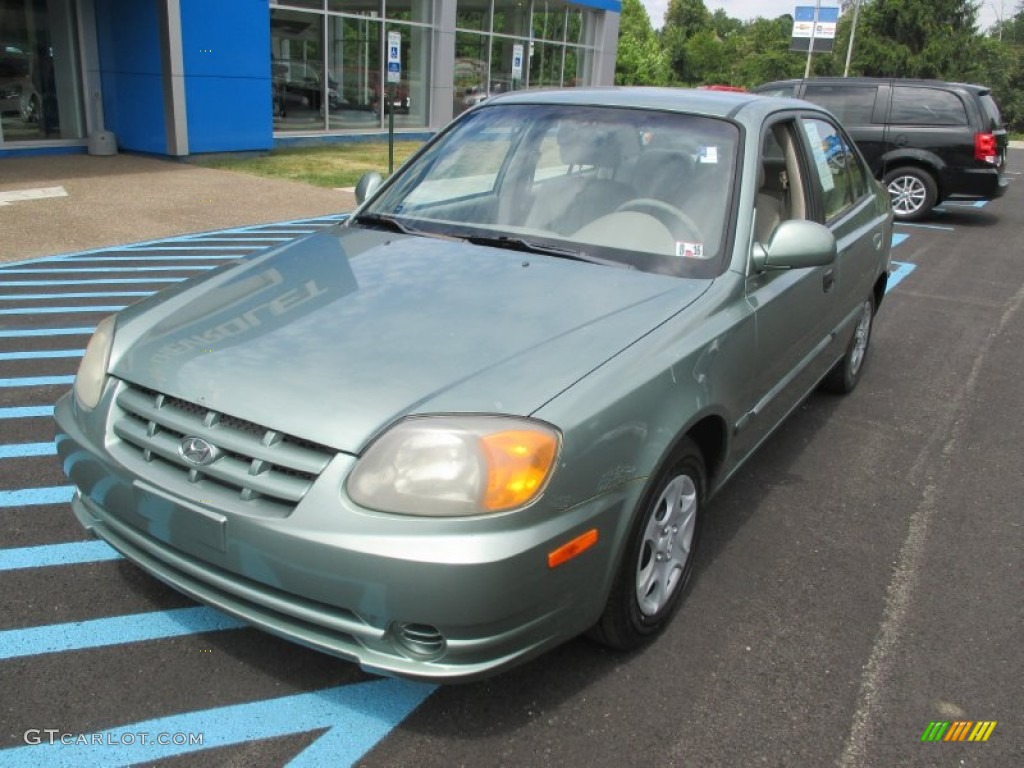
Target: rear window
989, 108
914, 105
787, 91
852, 104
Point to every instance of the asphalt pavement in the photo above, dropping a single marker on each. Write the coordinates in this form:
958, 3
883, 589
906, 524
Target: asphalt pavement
63, 203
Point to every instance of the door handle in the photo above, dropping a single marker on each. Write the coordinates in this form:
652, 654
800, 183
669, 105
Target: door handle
828, 280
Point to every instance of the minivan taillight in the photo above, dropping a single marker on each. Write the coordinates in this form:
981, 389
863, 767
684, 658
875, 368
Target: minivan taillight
985, 148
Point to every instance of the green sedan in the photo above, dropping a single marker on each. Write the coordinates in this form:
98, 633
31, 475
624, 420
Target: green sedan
487, 412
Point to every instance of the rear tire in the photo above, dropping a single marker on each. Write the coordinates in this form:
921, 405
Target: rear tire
658, 559
912, 193
843, 379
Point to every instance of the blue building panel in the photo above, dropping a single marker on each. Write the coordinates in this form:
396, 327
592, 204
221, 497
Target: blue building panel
128, 38
226, 52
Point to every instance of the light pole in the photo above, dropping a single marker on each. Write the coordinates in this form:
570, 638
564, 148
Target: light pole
853, 33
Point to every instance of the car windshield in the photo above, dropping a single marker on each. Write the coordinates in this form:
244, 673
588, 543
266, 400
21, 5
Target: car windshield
650, 190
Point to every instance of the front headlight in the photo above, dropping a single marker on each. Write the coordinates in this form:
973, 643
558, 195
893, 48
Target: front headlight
442, 466
92, 371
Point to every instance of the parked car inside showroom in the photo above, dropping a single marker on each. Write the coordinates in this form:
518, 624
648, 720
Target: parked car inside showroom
487, 412
925, 140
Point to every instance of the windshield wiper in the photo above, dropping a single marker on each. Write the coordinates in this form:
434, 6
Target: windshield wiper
386, 221
530, 246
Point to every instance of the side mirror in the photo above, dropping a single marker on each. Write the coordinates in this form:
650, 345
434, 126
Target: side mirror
367, 185
796, 244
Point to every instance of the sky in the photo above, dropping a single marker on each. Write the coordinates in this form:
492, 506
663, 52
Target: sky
749, 9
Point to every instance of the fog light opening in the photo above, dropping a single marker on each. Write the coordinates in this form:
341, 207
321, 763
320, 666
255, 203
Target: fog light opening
420, 641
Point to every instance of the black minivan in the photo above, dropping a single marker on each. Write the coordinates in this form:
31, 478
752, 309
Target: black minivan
926, 140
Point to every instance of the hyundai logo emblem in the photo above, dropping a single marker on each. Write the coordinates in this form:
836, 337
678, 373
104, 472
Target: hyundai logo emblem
197, 451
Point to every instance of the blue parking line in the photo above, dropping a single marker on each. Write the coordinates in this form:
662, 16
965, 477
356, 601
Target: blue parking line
925, 226
26, 412
36, 381
94, 281
72, 269
47, 555
27, 497
97, 295
23, 450
303, 226
42, 354
143, 256
354, 719
963, 204
898, 238
31, 332
61, 310
116, 630
903, 269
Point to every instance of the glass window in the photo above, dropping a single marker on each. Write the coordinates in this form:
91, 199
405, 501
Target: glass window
40, 83
853, 105
473, 15
512, 17
574, 26
914, 105
300, 95
501, 65
471, 79
354, 58
408, 10
548, 21
545, 65
409, 97
837, 166
313, 4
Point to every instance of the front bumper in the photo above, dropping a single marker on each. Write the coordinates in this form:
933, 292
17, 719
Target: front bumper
425, 599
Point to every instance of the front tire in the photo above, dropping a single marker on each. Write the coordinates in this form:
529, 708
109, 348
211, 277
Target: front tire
843, 379
658, 560
912, 193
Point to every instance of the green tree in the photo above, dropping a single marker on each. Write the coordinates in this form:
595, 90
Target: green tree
683, 20
640, 59
917, 38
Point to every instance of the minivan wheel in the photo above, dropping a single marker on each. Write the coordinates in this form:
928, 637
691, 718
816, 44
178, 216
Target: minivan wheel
912, 192
658, 559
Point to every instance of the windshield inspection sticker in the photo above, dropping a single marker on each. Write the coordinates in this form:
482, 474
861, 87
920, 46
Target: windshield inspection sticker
708, 155
690, 250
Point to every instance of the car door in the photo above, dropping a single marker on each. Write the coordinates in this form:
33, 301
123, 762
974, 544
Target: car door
794, 310
848, 204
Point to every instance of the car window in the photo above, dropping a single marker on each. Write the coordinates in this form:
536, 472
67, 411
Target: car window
652, 190
837, 167
782, 187
852, 104
916, 105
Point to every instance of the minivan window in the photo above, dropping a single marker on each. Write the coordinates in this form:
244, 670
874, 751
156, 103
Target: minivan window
852, 104
993, 120
913, 105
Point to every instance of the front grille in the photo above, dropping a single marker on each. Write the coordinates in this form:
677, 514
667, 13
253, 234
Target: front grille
254, 462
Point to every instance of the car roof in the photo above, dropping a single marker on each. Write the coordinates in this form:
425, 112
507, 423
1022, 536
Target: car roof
875, 81
723, 104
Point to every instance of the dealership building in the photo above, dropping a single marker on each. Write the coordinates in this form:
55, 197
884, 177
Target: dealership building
183, 77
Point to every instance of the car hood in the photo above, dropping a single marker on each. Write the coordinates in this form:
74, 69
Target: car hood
337, 335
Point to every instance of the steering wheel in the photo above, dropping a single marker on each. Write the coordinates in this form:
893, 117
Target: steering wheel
668, 215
